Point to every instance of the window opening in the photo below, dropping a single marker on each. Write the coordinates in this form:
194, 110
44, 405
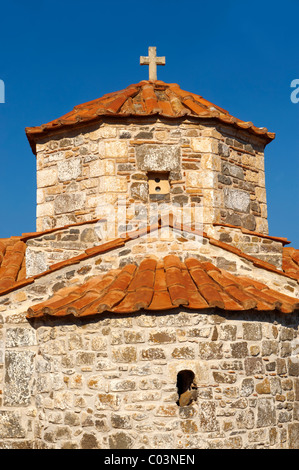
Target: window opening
187, 388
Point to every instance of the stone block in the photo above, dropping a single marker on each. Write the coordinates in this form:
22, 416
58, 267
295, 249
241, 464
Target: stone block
69, 202
45, 209
19, 337
210, 350
36, 262
235, 171
114, 149
207, 417
247, 387
127, 354
236, 200
239, 349
204, 144
120, 440
112, 184
122, 385
254, 365
47, 177
293, 436
183, 353
228, 332
139, 191
121, 422
107, 401
252, 331
89, 441
19, 370
249, 222
162, 337
152, 157
261, 194
11, 425
106, 132
200, 179
265, 412
224, 378
101, 168
69, 169
152, 354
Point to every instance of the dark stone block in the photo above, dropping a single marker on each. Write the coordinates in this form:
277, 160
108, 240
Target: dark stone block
144, 135
233, 219
249, 222
181, 200
225, 237
224, 179
124, 135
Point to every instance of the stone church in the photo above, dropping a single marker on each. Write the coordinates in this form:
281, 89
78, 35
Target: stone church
151, 309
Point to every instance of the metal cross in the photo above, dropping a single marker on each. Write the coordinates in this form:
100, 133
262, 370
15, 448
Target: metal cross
152, 61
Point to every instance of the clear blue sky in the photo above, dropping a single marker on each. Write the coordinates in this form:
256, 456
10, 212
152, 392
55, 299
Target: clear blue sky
241, 56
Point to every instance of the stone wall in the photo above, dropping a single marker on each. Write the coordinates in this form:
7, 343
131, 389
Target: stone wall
263, 248
48, 249
215, 170
111, 381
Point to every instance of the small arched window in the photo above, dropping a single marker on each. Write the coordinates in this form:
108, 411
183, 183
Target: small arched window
187, 388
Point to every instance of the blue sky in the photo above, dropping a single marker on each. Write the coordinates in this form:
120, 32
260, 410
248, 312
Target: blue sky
242, 56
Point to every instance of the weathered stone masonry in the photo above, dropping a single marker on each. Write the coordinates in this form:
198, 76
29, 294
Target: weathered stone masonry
107, 175
209, 165
111, 382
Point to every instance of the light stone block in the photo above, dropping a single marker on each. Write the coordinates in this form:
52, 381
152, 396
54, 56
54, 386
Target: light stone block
261, 194
200, 179
193, 179
69, 169
69, 202
236, 200
46, 177
210, 162
112, 184
93, 201
114, 149
107, 132
40, 196
204, 144
46, 209
101, 168
151, 157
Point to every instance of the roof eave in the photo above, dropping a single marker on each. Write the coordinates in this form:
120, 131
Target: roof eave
34, 134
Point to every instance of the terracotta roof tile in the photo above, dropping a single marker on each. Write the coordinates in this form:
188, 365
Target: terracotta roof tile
290, 261
164, 285
7, 284
12, 262
144, 99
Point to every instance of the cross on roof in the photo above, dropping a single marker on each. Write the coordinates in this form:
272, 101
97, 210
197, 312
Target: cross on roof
152, 61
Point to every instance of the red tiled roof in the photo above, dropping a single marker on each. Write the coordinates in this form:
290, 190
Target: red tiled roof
119, 242
290, 261
145, 98
12, 263
163, 285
